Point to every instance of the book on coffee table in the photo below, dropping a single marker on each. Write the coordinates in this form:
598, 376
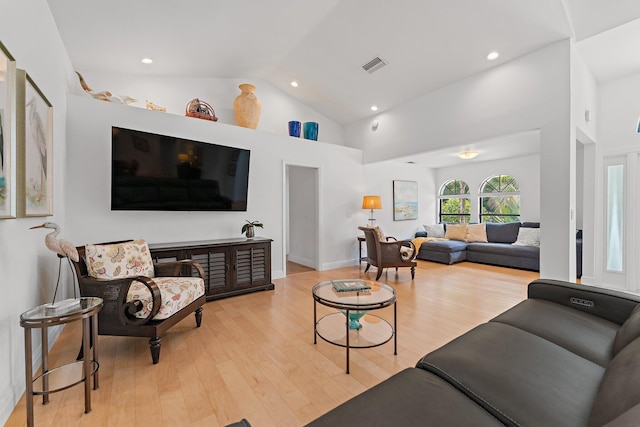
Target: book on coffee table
352, 285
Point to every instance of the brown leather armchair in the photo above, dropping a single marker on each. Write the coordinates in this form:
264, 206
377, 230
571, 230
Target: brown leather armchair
387, 254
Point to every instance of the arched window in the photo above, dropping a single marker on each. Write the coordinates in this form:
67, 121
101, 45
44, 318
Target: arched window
455, 206
499, 199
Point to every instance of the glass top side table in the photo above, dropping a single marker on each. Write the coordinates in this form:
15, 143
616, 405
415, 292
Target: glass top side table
43, 317
353, 325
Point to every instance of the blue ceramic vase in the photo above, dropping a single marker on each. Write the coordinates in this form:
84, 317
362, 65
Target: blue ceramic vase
294, 129
310, 130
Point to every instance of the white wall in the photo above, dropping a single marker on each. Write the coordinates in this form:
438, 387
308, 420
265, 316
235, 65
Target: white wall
526, 170
174, 93
379, 179
584, 97
28, 270
88, 189
619, 114
617, 136
530, 92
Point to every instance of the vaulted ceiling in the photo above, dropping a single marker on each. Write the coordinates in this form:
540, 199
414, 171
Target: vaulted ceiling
323, 44
427, 44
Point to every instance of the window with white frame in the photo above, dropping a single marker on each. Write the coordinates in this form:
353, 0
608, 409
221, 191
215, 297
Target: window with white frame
454, 202
499, 198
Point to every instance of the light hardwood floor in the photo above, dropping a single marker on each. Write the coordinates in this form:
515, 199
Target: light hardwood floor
254, 355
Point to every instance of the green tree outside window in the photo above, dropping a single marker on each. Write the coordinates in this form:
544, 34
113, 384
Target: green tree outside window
500, 199
455, 205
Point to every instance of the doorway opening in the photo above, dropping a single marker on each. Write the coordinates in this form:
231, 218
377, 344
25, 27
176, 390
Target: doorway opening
301, 219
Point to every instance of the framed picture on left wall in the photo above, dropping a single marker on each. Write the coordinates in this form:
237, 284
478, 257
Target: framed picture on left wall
7, 134
35, 149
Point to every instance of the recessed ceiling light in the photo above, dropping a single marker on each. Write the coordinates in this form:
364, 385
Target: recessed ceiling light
493, 55
147, 60
466, 155
294, 83
374, 108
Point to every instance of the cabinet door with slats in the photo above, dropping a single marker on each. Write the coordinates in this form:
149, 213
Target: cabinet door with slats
251, 266
216, 267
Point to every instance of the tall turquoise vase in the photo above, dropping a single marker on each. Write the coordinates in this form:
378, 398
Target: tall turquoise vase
310, 130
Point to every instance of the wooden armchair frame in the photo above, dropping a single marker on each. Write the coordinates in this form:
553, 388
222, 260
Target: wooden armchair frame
117, 316
386, 254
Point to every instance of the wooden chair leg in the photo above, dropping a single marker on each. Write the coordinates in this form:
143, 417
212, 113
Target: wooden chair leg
367, 269
379, 273
413, 273
154, 346
198, 317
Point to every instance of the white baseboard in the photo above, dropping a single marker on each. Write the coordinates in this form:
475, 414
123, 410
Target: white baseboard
339, 264
302, 261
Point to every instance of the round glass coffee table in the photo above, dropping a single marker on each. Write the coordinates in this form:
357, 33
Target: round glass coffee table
353, 325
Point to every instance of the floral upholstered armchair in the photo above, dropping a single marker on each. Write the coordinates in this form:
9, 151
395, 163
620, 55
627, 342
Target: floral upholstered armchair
141, 299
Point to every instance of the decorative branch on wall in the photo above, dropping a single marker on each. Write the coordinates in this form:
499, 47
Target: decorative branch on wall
105, 95
7, 134
35, 149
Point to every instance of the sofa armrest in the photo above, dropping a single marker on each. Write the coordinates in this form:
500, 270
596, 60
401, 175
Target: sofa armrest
608, 304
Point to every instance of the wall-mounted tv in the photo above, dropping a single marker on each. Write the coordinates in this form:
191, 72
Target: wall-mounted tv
153, 172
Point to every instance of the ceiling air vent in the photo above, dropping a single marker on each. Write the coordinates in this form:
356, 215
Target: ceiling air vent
374, 65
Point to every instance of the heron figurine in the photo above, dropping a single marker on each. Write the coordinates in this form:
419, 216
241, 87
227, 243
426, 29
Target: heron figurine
63, 248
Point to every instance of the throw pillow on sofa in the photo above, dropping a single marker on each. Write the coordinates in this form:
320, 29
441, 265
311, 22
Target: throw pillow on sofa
456, 232
528, 237
477, 233
502, 233
434, 230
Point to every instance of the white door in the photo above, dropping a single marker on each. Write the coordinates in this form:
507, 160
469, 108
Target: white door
618, 213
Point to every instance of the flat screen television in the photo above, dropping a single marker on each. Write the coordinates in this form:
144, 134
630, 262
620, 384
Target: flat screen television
153, 172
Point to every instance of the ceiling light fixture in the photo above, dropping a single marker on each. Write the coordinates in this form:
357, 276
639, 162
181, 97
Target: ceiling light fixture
493, 55
147, 60
294, 83
374, 108
466, 155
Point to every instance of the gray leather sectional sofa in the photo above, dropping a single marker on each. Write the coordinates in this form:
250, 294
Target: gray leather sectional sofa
498, 251
569, 356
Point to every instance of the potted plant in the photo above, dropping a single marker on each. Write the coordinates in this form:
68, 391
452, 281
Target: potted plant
248, 228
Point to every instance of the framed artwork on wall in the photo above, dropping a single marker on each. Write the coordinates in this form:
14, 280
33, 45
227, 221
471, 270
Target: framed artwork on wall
7, 134
35, 142
405, 200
